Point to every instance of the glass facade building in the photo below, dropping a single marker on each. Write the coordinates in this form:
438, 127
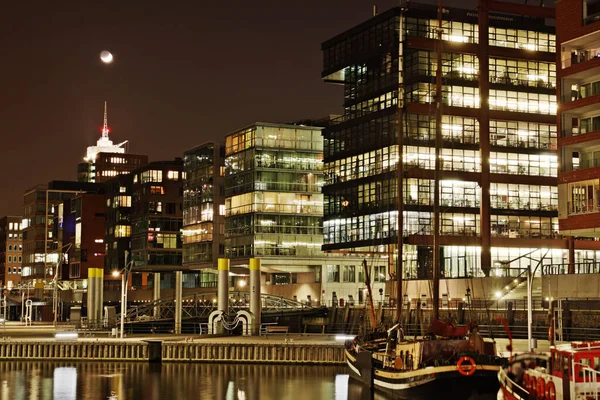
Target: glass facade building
203, 206
498, 159
274, 210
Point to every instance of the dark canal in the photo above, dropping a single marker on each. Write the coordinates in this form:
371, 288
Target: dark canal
120, 381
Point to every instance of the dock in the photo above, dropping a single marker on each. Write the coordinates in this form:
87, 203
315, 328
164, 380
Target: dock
322, 350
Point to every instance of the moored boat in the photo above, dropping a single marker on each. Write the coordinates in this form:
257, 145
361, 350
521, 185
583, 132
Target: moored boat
570, 372
426, 368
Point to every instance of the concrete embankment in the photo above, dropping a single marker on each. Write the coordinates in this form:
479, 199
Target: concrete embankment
224, 350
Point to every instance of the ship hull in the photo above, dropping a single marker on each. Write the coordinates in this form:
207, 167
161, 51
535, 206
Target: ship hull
428, 383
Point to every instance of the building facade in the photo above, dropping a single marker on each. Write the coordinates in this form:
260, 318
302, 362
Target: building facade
10, 251
156, 218
106, 166
83, 227
41, 224
498, 176
203, 206
274, 211
106, 160
578, 33
118, 192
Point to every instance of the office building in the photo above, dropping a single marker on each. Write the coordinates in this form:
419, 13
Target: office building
274, 211
203, 207
499, 137
106, 160
156, 219
41, 222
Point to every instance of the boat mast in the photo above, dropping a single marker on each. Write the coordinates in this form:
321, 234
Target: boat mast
436, 173
400, 172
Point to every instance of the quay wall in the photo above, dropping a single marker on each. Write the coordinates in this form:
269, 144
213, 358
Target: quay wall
254, 353
168, 351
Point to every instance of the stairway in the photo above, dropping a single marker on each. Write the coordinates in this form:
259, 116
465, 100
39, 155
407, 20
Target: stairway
518, 290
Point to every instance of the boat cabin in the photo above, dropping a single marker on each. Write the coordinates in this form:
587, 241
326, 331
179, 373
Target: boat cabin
572, 372
582, 357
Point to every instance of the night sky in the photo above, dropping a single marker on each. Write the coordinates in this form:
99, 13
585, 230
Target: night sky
185, 72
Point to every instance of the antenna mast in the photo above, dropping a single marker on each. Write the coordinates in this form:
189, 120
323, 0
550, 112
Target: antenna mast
105, 127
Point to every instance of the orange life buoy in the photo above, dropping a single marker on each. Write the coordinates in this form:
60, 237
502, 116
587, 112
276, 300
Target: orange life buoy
532, 386
526, 381
550, 391
541, 388
466, 372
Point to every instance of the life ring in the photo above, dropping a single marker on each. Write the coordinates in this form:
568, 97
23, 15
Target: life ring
532, 387
526, 382
550, 391
466, 372
541, 388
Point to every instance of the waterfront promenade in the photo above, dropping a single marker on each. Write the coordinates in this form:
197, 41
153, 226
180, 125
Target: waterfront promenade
37, 342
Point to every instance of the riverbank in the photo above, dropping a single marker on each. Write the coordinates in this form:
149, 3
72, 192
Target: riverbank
276, 349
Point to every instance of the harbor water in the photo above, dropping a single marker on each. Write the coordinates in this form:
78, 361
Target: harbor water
21, 380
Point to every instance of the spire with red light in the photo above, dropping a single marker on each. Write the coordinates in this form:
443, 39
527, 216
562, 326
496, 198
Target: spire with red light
105, 127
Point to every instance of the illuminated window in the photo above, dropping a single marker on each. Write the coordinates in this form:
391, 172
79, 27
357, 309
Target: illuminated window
78, 235
122, 231
151, 176
122, 201
166, 241
155, 207
157, 189
584, 197
174, 175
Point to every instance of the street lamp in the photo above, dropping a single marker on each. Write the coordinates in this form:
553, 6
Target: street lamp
124, 277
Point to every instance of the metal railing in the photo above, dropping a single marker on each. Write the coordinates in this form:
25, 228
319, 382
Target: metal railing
579, 268
511, 386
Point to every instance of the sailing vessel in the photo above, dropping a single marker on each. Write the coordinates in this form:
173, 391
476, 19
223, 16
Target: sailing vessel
449, 361
570, 372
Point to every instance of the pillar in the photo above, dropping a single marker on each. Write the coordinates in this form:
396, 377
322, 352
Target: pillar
571, 254
255, 301
178, 298
156, 294
100, 295
484, 136
223, 288
91, 294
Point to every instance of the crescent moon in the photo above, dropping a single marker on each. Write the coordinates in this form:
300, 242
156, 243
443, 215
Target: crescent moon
106, 57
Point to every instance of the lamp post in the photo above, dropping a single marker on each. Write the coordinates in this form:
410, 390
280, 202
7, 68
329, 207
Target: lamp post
124, 276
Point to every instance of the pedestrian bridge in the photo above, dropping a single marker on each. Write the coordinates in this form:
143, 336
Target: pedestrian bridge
199, 306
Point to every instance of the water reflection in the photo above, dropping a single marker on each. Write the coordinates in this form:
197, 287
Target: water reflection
121, 381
